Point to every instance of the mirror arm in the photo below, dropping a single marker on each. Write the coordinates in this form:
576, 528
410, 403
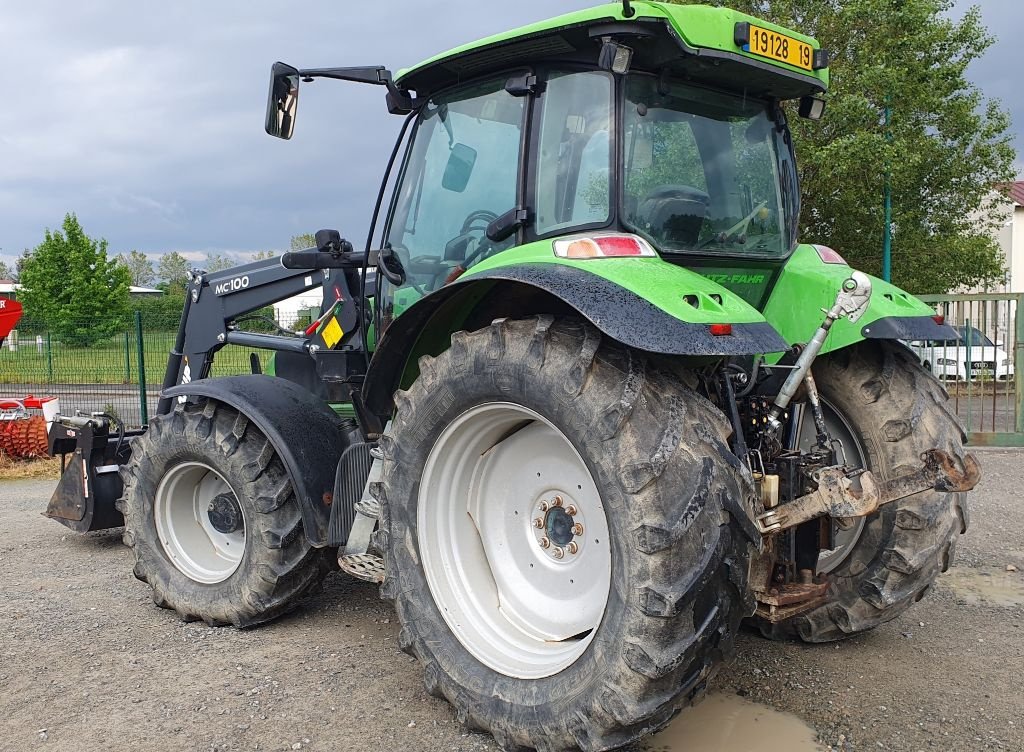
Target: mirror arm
374, 74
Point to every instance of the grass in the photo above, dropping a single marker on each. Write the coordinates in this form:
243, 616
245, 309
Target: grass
113, 361
46, 467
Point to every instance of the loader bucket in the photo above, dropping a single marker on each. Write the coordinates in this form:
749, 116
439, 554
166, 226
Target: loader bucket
90, 485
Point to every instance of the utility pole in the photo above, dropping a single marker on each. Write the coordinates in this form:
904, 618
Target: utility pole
887, 242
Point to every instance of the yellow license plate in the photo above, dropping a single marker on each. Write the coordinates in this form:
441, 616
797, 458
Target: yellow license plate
776, 46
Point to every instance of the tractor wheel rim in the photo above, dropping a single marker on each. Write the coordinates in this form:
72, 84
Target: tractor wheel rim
514, 540
188, 536
839, 428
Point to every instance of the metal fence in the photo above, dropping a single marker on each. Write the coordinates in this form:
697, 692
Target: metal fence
121, 373
980, 367
118, 374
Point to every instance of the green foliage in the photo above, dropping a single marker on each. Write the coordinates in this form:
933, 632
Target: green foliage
262, 255
945, 147
69, 284
6, 272
303, 241
173, 271
139, 267
217, 262
160, 312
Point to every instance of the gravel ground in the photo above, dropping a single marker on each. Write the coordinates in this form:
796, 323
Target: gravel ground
88, 662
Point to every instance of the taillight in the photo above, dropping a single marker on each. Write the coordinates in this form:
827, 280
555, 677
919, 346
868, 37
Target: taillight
720, 330
939, 319
828, 256
618, 245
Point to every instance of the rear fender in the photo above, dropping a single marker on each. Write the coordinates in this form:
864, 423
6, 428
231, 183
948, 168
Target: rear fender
807, 287
644, 303
307, 435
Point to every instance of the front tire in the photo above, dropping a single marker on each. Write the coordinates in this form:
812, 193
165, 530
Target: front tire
213, 521
897, 411
520, 413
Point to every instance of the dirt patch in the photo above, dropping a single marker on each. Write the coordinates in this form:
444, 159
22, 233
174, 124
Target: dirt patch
980, 587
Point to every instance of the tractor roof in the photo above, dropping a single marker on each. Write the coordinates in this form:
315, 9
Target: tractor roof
695, 41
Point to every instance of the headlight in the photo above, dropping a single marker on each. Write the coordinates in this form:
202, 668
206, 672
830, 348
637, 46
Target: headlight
945, 362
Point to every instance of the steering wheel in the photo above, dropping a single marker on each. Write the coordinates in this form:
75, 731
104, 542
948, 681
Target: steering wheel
458, 248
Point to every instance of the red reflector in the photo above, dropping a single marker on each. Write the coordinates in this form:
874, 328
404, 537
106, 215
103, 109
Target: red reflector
720, 330
829, 256
618, 245
939, 319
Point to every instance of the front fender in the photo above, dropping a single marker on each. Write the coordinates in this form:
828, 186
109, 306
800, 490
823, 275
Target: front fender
807, 287
646, 304
307, 435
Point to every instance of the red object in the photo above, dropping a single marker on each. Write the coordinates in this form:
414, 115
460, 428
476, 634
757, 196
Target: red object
611, 245
939, 319
829, 256
10, 312
720, 330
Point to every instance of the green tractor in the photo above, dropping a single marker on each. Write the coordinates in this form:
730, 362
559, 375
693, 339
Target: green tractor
582, 405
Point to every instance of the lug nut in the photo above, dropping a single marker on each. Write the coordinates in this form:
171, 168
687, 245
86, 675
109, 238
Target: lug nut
573, 547
557, 552
543, 506
538, 523
571, 510
558, 501
577, 529
544, 542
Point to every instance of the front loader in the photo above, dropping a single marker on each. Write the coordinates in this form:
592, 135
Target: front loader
582, 404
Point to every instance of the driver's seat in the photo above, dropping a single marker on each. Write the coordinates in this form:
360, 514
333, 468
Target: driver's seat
673, 214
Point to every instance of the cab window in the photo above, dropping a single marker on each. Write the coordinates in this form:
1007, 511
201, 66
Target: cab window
461, 173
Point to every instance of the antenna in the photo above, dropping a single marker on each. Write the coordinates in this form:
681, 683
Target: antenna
627, 9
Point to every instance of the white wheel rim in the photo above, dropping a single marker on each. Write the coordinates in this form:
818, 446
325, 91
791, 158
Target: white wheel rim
188, 537
838, 428
515, 605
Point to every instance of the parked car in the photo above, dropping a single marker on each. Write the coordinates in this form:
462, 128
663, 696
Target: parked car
972, 353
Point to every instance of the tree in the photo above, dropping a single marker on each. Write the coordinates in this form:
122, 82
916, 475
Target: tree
139, 267
173, 271
6, 272
944, 147
69, 283
262, 255
303, 241
216, 262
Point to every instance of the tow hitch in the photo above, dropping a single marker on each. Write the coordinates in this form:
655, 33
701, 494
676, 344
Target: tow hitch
842, 495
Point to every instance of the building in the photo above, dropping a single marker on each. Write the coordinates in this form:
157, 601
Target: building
9, 290
1011, 235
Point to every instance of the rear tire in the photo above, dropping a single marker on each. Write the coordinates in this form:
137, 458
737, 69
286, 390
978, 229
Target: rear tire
192, 567
658, 455
898, 411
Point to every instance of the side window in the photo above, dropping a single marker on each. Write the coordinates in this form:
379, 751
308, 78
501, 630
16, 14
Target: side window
461, 173
575, 151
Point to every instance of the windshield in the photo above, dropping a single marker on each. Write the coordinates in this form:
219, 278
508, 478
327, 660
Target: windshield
706, 171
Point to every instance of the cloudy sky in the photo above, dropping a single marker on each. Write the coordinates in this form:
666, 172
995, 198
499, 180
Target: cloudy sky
146, 118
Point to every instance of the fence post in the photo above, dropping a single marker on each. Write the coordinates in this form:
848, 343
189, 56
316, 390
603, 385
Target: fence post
140, 352
127, 360
1018, 364
49, 359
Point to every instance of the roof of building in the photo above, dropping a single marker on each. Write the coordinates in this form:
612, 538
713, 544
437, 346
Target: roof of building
1015, 191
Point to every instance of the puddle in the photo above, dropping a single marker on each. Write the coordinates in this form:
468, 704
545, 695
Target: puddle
729, 723
985, 587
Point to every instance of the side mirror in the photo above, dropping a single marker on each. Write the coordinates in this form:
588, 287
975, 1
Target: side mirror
282, 100
459, 168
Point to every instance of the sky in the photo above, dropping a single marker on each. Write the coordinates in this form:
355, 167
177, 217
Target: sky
146, 118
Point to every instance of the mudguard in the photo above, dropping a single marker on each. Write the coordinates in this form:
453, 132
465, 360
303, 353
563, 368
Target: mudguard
807, 285
307, 435
644, 303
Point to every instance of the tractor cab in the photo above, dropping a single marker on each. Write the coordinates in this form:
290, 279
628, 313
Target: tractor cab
593, 124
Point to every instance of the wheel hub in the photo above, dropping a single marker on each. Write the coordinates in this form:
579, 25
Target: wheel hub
558, 526
225, 514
